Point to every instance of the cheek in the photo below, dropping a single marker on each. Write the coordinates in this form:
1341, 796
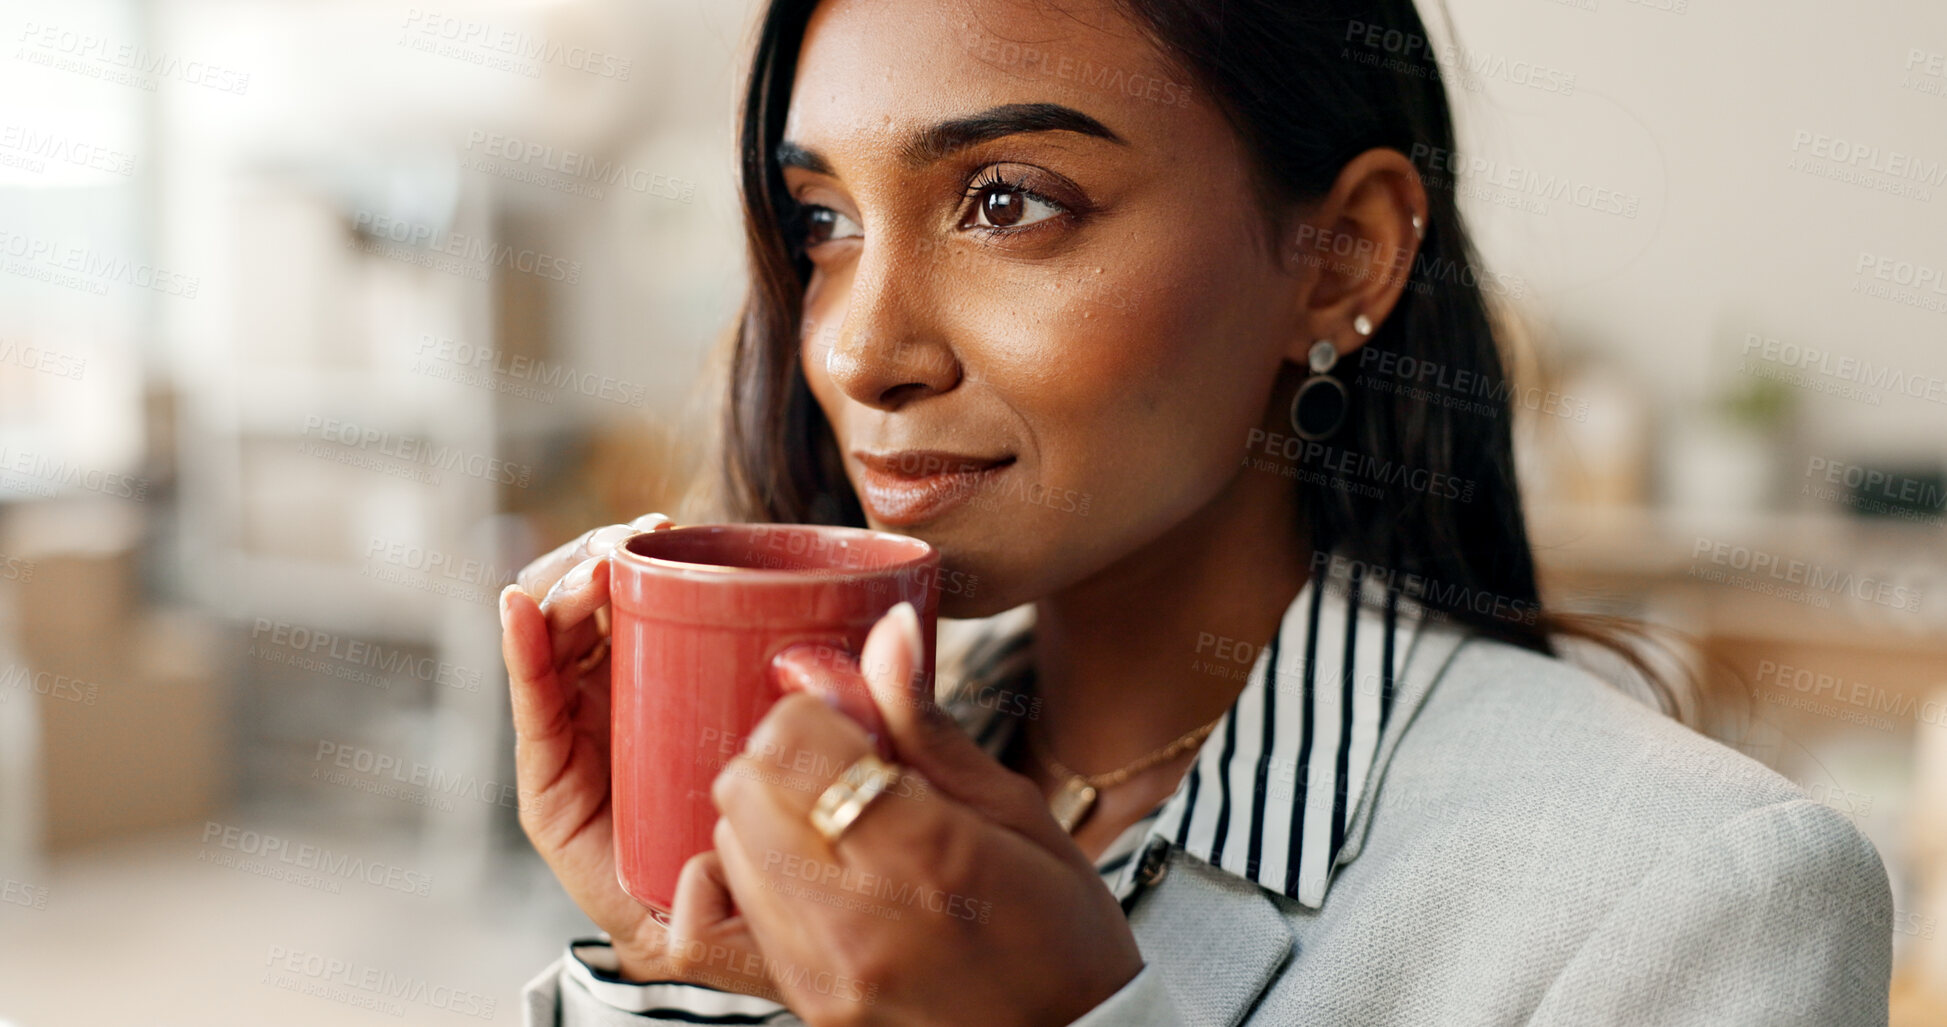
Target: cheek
824, 312
1158, 383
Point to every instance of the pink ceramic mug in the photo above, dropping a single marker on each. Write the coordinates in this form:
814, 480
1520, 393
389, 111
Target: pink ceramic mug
705, 620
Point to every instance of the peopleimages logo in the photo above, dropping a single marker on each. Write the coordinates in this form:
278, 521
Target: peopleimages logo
502, 371
438, 783
49, 684
423, 244
26, 148
878, 887
16, 568
360, 653
87, 269
415, 452
45, 475
1902, 281
1875, 484
580, 167
1457, 388
1360, 473
1925, 72
1433, 160
367, 986
1436, 596
1901, 272
1869, 697
452, 36
19, 893
1844, 368
1028, 58
1869, 157
119, 62
1414, 54
42, 359
268, 849
1772, 573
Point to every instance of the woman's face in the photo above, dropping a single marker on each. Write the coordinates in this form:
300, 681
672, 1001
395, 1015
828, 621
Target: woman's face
1045, 312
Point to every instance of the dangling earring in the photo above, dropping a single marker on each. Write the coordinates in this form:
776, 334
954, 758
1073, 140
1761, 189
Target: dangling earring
1318, 408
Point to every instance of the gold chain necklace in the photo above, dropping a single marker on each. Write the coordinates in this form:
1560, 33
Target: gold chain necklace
1078, 792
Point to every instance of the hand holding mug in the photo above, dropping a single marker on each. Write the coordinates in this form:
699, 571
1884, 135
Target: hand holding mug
560, 669
556, 651
982, 884
952, 898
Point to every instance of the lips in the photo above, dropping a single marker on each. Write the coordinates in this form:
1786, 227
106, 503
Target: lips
910, 486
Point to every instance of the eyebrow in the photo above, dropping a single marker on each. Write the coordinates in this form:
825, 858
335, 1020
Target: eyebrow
940, 141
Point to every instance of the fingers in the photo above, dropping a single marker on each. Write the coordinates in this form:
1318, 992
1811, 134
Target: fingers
766, 793
573, 583
560, 751
703, 902
799, 747
572, 645
541, 705
741, 877
922, 733
578, 594
708, 941
931, 742
831, 674
730, 943
538, 577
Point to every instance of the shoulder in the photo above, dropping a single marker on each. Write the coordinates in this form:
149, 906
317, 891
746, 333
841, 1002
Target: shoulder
1505, 721
1529, 764
1536, 816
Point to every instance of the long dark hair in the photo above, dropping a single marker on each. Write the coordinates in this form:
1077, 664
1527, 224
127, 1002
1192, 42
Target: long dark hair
1307, 87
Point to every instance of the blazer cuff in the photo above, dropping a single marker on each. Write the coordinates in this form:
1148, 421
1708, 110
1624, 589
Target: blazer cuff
1143, 1002
591, 966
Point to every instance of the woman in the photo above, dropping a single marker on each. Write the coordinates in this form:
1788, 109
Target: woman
1085, 294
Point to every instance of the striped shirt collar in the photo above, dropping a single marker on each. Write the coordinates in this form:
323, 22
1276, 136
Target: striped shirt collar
1278, 783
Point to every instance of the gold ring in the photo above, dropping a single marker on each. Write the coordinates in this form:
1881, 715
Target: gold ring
593, 659
844, 799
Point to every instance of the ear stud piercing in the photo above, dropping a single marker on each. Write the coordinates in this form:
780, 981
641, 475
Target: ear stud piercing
1419, 227
1362, 324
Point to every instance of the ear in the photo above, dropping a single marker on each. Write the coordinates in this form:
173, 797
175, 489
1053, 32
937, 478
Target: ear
1355, 249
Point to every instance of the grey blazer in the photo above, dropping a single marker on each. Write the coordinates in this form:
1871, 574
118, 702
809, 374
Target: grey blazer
1508, 840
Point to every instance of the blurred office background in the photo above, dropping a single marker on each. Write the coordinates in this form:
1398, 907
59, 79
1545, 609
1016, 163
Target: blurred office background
320, 319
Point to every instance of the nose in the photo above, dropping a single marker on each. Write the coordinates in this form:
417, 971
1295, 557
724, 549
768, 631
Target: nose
889, 349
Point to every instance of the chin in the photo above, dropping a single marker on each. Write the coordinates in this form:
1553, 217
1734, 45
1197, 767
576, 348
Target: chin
972, 582
993, 562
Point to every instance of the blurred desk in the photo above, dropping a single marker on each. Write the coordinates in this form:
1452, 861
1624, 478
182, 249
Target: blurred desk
1879, 585
1846, 617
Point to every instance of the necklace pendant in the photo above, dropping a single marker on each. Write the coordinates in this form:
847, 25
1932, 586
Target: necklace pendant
1072, 803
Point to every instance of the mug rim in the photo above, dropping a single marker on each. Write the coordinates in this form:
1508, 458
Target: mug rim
710, 572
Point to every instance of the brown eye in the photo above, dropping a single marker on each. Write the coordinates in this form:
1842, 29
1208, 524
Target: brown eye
1002, 209
1003, 205
823, 224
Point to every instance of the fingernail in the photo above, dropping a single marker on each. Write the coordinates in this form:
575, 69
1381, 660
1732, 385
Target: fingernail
649, 521
909, 626
579, 578
507, 604
604, 541
576, 578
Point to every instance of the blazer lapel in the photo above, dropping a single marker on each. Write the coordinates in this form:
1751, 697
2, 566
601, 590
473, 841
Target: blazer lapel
1216, 939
